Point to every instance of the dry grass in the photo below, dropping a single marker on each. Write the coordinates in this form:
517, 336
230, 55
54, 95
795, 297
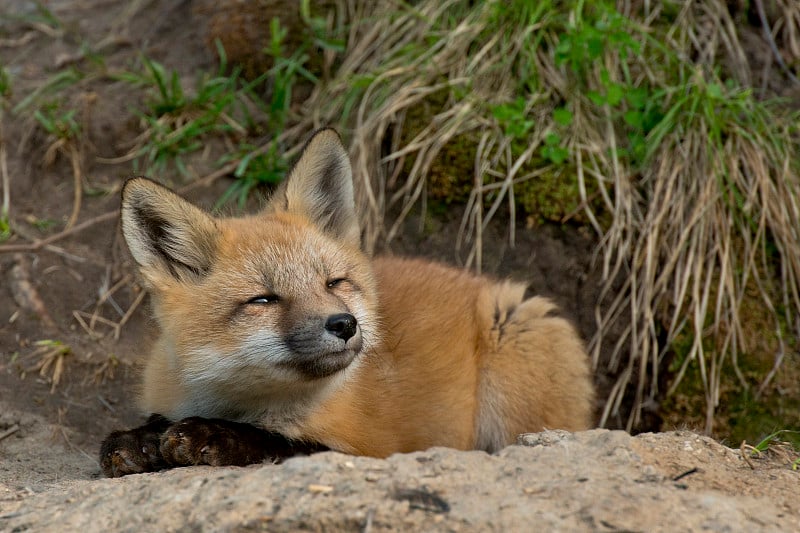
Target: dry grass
712, 214
49, 360
707, 211
688, 251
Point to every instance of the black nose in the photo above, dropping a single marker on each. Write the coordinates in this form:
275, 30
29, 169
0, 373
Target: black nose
342, 325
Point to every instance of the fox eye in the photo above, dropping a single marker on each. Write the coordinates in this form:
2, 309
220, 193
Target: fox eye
264, 299
335, 282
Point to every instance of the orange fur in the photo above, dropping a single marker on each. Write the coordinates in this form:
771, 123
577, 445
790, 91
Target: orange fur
440, 357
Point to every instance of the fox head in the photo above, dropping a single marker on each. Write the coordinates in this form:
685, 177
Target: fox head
279, 303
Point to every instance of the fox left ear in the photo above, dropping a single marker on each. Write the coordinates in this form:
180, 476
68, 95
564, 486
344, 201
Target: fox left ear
320, 187
167, 236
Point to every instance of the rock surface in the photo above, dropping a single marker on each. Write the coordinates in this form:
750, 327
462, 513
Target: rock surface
554, 481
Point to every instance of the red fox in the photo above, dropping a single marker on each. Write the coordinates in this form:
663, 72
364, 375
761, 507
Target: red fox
279, 320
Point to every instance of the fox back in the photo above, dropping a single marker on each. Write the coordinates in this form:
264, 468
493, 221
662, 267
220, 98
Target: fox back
279, 319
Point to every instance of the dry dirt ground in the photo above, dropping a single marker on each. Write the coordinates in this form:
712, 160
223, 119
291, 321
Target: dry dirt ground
79, 291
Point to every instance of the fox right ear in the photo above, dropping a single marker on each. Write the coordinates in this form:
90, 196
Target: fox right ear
165, 233
320, 187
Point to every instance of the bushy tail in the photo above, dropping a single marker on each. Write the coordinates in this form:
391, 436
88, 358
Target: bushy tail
535, 372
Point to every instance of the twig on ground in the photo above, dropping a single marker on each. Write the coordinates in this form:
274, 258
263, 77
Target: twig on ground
25, 293
204, 181
745, 450
34, 246
74, 157
684, 474
105, 403
61, 429
10, 431
89, 331
129, 313
20, 41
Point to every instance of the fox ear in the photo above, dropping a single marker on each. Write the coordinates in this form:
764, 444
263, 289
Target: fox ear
165, 233
320, 187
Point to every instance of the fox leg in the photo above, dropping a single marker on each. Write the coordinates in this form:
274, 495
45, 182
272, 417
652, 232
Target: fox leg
161, 444
217, 442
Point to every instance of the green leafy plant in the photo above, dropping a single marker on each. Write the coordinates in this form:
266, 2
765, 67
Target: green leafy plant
5, 228
5, 84
773, 440
59, 124
514, 117
253, 169
176, 123
58, 83
268, 166
63, 133
598, 31
595, 29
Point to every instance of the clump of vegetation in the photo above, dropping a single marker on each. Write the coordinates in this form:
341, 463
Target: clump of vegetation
175, 122
267, 165
58, 121
49, 358
773, 444
63, 137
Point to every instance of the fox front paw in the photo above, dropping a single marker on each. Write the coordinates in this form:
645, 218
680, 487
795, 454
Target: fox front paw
161, 444
203, 441
134, 451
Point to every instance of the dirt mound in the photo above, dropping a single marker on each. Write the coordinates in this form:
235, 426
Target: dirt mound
596, 480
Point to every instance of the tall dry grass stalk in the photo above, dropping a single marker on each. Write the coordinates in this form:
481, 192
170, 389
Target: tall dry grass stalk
706, 214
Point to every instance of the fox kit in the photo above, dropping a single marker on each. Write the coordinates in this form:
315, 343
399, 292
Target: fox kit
280, 321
